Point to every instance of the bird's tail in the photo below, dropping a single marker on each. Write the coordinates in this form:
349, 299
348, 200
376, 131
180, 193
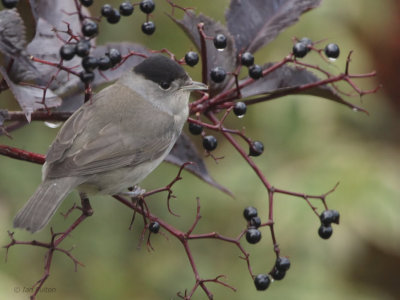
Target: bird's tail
43, 204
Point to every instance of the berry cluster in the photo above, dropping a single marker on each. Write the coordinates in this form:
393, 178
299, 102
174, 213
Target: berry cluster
253, 235
262, 281
210, 142
328, 217
255, 71
113, 15
89, 63
9, 3
304, 45
218, 74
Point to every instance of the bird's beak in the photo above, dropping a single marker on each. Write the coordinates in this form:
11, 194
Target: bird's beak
194, 86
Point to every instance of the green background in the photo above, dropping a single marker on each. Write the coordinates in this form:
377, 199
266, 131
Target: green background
311, 143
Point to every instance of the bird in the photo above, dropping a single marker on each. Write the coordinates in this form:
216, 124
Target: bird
115, 140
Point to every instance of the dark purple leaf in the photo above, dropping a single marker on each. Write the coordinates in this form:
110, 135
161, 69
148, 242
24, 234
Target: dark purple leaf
185, 151
254, 23
225, 59
287, 80
12, 37
28, 97
58, 13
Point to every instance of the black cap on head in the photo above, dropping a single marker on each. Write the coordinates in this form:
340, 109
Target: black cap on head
159, 68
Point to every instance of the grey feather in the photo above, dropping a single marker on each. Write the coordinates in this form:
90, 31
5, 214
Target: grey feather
44, 202
91, 143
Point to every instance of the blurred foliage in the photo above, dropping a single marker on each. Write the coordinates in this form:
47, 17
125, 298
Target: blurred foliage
310, 144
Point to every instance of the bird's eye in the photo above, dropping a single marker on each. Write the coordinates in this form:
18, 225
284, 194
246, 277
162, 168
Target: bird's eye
165, 85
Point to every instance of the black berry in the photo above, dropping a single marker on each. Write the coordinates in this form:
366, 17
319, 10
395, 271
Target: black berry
300, 50
86, 77
115, 56
83, 48
114, 16
282, 263
154, 227
262, 281
256, 148
240, 109
89, 63
68, 51
220, 41
104, 63
247, 59
147, 6
250, 212
277, 274
255, 72
148, 27
191, 58
210, 143
332, 51
195, 129
253, 236
326, 217
218, 74
306, 41
9, 3
106, 10
255, 222
90, 28
86, 3
335, 217
325, 232
126, 8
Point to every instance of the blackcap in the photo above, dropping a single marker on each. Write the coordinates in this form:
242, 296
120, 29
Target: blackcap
115, 140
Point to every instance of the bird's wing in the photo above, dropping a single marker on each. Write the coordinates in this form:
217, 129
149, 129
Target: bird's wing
97, 138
